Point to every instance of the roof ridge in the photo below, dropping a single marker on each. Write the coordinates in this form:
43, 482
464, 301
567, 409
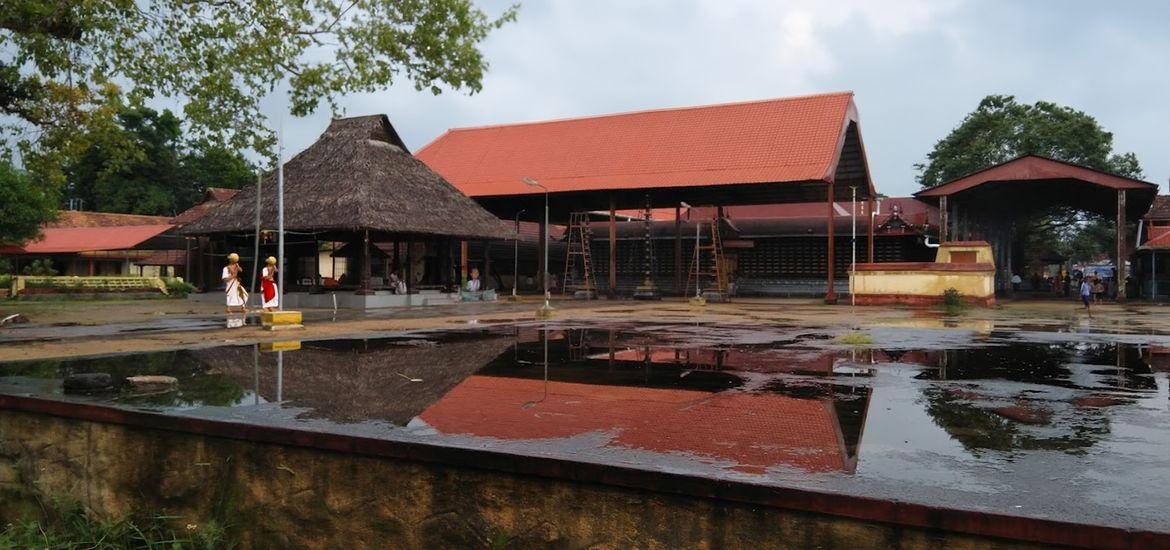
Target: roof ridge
647, 111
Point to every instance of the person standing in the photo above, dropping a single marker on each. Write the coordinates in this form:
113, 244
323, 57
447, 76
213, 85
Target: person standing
1086, 294
268, 285
233, 289
1016, 281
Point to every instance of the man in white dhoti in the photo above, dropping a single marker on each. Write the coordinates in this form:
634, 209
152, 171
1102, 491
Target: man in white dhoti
234, 290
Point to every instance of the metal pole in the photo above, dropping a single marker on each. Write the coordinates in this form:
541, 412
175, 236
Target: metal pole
516, 255
256, 247
280, 220
546, 238
279, 376
698, 226
853, 262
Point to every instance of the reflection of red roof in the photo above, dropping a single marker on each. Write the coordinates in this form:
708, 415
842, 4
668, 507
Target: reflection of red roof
80, 239
733, 360
77, 218
752, 431
794, 139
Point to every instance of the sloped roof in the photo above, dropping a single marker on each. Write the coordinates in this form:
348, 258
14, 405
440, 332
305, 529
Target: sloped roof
78, 218
1159, 238
357, 176
1160, 210
211, 199
786, 140
749, 432
66, 240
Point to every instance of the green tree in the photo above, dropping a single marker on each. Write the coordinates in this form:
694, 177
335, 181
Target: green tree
24, 205
144, 166
1001, 129
222, 57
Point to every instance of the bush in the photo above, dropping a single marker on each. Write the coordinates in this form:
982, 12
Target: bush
5, 281
6, 267
179, 288
43, 268
953, 300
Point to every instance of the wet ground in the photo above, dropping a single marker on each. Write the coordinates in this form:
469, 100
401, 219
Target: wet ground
1050, 418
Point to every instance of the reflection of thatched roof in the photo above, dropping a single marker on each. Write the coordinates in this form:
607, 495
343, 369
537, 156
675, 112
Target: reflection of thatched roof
352, 385
358, 175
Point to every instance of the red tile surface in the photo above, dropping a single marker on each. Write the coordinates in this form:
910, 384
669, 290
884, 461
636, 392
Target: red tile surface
747, 432
64, 240
778, 140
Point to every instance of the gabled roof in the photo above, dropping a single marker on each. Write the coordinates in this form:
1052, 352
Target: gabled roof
1160, 210
357, 176
66, 240
786, 140
1159, 238
211, 198
1035, 167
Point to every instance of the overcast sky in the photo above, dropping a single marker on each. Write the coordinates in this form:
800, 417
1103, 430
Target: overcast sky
917, 67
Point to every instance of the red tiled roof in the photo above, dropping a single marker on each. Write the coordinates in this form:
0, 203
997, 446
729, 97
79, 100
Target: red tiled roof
213, 197
1160, 210
1159, 237
795, 139
1031, 167
64, 240
165, 257
749, 432
76, 218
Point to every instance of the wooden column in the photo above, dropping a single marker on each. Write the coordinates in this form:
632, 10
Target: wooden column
612, 247
408, 274
678, 250
869, 245
944, 220
1119, 281
830, 294
487, 265
463, 270
397, 265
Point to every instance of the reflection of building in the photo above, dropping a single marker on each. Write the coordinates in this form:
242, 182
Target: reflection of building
353, 381
750, 431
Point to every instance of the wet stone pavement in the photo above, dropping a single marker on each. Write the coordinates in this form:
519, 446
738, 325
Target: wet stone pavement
1050, 424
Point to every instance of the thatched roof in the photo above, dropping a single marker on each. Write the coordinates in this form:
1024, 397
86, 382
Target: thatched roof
346, 381
357, 176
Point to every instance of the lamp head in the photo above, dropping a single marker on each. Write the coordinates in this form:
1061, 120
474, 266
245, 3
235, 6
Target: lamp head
530, 181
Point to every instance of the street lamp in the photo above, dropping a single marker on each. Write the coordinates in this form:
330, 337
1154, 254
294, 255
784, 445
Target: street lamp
543, 276
516, 255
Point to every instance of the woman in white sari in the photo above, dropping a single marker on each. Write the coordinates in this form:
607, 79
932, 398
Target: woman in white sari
233, 290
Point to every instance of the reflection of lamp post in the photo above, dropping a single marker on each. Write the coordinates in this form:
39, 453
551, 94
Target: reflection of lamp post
530, 404
516, 255
543, 276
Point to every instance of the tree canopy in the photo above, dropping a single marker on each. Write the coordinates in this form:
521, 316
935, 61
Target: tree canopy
1001, 129
64, 62
24, 205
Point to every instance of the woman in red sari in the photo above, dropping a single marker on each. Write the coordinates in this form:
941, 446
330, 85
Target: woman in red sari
268, 285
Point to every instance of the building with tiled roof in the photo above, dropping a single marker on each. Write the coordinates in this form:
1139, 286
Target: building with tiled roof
95, 243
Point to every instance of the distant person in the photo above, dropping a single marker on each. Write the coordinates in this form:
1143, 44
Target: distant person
1016, 282
473, 283
233, 290
1066, 281
1098, 290
268, 285
397, 286
1086, 295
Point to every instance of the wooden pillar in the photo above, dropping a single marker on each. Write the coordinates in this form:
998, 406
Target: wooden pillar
408, 275
397, 264
830, 294
462, 263
678, 250
869, 245
316, 261
944, 220
487, 265
364, 287
612, 247
1119, 281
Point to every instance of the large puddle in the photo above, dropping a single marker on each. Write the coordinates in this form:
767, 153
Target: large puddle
1065, 426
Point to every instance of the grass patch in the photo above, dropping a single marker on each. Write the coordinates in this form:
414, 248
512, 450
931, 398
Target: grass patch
68, 526
953, 301
854, 338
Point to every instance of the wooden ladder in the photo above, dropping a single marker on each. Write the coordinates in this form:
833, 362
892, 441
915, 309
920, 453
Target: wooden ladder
707, 262
578, 246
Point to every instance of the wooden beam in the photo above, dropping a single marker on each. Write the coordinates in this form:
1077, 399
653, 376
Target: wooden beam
612, 247
678, 249
944, 220
869, 245
831, 294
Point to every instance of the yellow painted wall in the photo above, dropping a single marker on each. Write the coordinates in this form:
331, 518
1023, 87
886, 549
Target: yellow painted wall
924, 283
982, 252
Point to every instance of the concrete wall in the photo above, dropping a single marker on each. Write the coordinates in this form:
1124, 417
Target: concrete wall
924, 284
282, 496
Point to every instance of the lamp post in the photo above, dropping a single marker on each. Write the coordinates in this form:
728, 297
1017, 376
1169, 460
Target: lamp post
698, 225
853, 262
543, 276
516, 255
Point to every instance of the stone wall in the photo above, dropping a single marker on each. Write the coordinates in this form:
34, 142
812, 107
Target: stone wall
276, 496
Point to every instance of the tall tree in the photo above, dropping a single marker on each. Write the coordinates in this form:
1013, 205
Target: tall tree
59, 60
1001, 129
24, 205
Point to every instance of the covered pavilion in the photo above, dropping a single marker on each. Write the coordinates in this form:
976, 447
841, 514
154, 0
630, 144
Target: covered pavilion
986, 205
357, 184
797, 149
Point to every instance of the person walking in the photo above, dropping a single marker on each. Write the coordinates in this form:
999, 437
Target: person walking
233, 290
1087, 295
268, 285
